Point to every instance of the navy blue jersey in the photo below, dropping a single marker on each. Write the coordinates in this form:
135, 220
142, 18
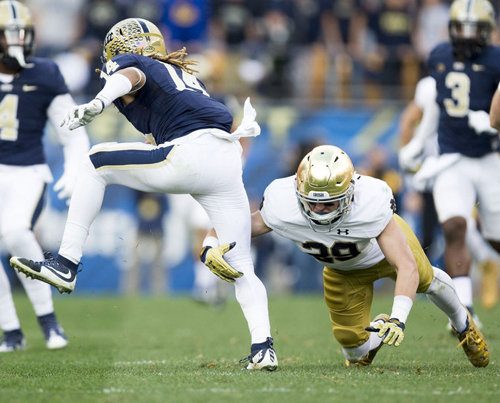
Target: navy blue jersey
463, 86
23, 112
171, 104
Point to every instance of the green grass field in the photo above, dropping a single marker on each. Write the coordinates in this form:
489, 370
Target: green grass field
175, 350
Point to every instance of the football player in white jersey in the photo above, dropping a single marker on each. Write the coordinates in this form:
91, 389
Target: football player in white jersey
32, 91
419, 123
347, 222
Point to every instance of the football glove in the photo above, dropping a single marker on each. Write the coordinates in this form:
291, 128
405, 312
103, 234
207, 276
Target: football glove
213, 258
480, 122
391, 331
64, 187
411, 156
82, 115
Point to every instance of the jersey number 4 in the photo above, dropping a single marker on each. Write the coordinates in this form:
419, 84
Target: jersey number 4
9, 124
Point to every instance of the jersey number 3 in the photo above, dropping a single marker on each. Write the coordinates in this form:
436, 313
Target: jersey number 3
458, 105
9, 124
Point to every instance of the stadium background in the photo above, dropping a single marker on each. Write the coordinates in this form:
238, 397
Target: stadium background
310, 83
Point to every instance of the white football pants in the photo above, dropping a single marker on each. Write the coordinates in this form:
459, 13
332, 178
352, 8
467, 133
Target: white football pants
200, 164
468, 182
21, 201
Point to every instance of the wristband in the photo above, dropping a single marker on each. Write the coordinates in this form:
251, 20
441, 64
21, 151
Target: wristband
401, 307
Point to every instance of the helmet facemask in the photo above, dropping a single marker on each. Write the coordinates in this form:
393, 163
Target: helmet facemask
325, 222
325, 175
469, 38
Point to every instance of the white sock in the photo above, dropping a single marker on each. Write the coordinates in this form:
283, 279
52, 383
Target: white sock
252, 297
85, 204
442, 293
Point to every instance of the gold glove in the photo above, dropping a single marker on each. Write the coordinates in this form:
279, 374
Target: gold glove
214, 260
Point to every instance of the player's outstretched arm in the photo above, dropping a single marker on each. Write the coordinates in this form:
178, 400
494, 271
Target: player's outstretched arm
119, 84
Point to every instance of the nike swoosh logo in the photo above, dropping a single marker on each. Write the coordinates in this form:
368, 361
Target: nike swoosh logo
28, 88
64, 276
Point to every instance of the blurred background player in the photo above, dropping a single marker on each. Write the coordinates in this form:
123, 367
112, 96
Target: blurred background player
32, 91
192, 152
418, 139
467, 72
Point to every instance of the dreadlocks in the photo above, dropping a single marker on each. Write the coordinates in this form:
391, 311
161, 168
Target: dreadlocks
177, 59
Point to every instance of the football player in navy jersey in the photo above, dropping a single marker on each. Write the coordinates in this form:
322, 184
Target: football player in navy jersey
467, 73
191, 151
32, 91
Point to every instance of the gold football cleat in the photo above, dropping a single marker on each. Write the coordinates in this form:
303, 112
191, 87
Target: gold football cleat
474, 344
368, 358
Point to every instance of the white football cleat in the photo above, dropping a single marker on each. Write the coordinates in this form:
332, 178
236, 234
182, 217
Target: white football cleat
55, 338
262, 357
12, 340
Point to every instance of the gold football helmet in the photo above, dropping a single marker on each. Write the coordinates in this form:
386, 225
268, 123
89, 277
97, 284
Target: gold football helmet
325, 175
131, 36
16, 34
470, 27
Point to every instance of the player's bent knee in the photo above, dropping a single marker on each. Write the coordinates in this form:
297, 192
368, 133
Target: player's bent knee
351, 337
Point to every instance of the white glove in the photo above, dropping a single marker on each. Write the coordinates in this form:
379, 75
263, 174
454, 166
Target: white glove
411, 156
65, 186
480, 122
82, 115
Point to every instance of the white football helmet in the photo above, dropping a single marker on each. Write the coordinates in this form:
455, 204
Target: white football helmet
16, 34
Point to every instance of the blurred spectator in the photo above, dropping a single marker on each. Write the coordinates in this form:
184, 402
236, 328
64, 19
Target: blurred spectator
344, 27
377, 165
185, 23
146, 270
432, 27
59, 24
392, 62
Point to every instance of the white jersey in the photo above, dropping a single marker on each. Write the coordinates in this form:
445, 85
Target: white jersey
350, 246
